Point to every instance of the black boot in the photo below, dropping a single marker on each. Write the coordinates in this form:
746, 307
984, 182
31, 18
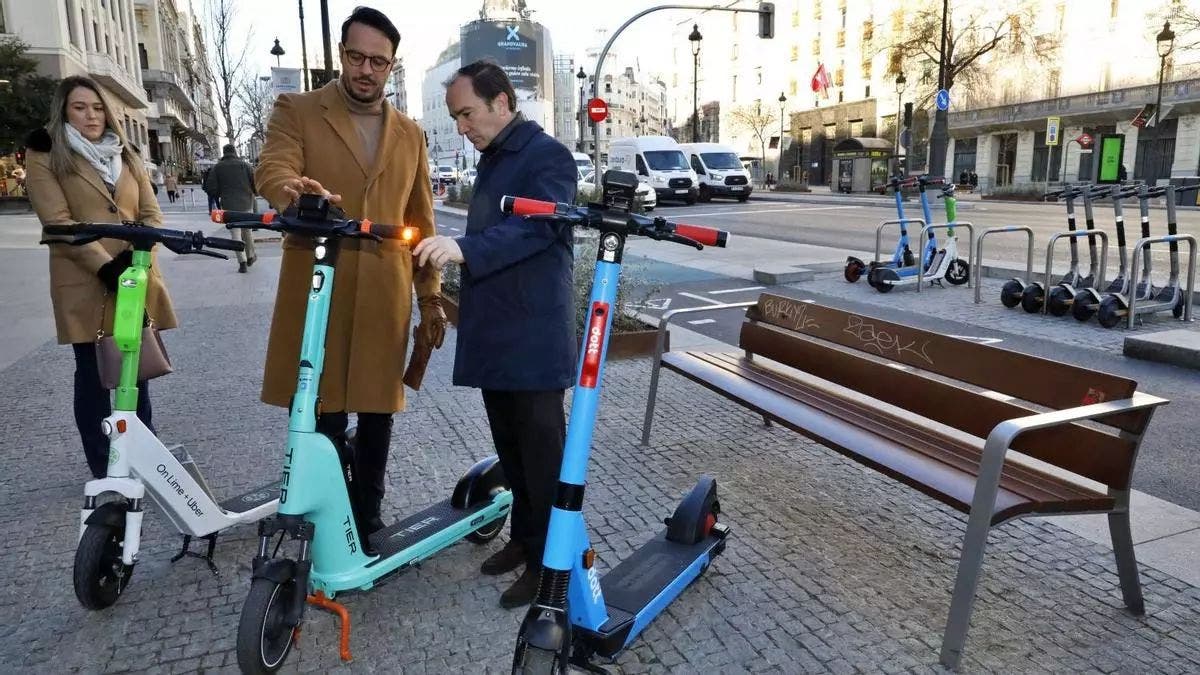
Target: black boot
505, 560
370, 467
523, 590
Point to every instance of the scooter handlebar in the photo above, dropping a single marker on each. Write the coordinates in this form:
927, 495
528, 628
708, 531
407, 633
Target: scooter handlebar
243, 218
650, 227
709, 236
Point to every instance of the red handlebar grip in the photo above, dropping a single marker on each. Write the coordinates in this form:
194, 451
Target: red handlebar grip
232, 217
521, 206
709, 236
405, 233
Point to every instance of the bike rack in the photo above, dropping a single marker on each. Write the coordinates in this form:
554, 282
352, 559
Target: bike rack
1098, 282
970, 249
879, 231
1191, 272
977, 273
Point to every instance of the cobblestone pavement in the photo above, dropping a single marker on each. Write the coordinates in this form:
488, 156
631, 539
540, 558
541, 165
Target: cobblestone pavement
957, 303
830, 568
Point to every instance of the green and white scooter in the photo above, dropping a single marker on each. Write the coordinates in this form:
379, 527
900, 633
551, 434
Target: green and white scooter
314, 508
138, 462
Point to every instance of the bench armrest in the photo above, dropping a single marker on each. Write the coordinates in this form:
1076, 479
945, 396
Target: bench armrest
1003, 434
661, 340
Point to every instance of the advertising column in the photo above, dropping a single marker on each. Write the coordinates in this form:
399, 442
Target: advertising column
523, 50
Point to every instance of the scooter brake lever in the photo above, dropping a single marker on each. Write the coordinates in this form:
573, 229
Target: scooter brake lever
211, 254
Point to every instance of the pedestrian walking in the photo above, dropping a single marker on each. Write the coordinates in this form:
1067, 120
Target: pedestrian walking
232, 182
171, 183
82, 169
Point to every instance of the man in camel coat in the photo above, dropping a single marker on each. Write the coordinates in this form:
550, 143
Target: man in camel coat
345, 140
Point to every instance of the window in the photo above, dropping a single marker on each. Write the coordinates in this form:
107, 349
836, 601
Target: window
793, 88
1113, 9
796, 19
866, 70
868, 30
816, 47
839, 76
841, 38
816, 13
964, 155
733, 98
856, 128
1038, 168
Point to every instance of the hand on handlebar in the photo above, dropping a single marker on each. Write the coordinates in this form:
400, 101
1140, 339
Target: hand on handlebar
295, 187
439, 250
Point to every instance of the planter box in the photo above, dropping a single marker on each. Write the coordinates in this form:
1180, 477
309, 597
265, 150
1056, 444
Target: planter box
624, 345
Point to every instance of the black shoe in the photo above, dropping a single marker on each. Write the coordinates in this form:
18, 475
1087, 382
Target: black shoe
366, 527
505, 560
523, 590
242, 267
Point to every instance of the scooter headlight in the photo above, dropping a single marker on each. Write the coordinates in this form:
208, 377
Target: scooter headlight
106, 428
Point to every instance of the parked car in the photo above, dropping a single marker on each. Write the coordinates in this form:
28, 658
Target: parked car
645, 193
720, 171
467, 177
447, 174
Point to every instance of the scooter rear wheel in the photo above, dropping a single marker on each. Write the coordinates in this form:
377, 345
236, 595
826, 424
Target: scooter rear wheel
488, 532
1031, 299
1177, 310
1060, 301
1010, 295
1109, 312
882, 276
263, 640
542, 662
958, 273
854, 269
100, 576
1083, 309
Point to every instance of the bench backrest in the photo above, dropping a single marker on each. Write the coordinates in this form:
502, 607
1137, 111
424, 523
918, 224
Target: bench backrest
807, 336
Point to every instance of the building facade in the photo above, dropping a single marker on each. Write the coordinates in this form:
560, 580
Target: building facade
91, 38
396, 93
444, 144
569, 101
1093, 64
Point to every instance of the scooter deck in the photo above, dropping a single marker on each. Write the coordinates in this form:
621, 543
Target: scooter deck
251, 499
420, 526
632, 586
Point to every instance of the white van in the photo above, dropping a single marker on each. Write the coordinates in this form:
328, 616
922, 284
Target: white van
720, 172
656, 160
583, 163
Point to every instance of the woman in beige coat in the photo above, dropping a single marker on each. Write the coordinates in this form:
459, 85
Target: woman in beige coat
81, 169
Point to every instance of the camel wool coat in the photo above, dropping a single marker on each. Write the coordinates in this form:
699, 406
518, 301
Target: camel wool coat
366, 345
81, 305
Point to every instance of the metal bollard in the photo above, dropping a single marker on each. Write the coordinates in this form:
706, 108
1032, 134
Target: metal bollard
978, 272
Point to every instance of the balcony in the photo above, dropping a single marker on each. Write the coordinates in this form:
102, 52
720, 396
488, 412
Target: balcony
1181, 97
108, 73
169, 82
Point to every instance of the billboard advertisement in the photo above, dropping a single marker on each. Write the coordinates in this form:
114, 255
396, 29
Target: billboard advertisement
285, 81
522, 48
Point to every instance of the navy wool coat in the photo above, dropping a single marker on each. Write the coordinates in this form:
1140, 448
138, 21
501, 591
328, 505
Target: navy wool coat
516, 329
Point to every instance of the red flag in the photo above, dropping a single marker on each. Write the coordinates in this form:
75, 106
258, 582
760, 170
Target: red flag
820, 81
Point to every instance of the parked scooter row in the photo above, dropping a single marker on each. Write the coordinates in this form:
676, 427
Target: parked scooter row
936, 264
570, 621
1085, 296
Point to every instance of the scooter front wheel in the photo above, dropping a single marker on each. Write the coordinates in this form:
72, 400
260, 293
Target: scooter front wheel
854, 269
100, 576
1177, 310
1060, 301
263, 639
1083, 309
958, 273
1031, 299
1109, 313
541, 662
1010, 295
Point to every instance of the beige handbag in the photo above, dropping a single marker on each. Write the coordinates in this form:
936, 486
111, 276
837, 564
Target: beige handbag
153, 361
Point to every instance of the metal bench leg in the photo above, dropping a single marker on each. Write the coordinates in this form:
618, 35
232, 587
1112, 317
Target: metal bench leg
963, 600
648, 421
1127, 570
766, 421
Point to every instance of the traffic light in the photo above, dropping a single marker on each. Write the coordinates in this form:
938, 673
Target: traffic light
908, 109
766, 20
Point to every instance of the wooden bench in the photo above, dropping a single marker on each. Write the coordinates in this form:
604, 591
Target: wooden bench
895, 397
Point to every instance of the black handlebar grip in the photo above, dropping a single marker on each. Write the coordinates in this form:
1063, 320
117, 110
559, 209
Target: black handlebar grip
224, 244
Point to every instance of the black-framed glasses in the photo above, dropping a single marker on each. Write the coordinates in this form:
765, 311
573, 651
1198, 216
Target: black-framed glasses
356, 58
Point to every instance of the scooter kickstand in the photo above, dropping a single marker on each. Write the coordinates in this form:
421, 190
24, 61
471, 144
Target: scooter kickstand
319, 600
185, 550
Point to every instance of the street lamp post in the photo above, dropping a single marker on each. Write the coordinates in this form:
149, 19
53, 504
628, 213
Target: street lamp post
277, 51
901, 81
779, 168
582, 77
304, 48
1166, 43
695, 39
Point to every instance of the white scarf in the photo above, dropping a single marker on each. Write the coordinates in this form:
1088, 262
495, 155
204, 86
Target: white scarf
104, 154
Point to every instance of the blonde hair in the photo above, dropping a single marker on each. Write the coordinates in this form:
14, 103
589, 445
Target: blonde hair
62, 163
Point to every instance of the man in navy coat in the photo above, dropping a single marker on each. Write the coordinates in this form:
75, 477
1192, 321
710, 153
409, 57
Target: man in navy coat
516, 331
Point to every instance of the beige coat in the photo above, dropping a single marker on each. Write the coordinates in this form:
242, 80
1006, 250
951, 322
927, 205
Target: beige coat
366, 345
77, 294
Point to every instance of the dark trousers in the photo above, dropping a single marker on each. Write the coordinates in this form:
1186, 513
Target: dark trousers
529, 430
368, 466
93, 404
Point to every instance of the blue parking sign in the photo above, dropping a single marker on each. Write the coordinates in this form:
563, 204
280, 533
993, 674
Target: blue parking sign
943, 99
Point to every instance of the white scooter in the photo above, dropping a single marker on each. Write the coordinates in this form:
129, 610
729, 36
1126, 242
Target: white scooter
110, 532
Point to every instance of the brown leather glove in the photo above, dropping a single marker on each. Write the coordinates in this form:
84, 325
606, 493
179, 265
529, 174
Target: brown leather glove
432, 329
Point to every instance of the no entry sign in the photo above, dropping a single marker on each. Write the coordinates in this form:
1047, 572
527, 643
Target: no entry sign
597, 110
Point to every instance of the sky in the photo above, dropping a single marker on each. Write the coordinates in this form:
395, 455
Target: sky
427, 27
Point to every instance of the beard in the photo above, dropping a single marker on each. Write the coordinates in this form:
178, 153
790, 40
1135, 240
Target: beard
374, 96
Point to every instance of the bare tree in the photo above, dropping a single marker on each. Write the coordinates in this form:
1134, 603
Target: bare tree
227, 61
969, 36
758, 121
255, 101
1185, 23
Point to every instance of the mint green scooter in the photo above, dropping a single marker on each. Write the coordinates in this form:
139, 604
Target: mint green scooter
314, 504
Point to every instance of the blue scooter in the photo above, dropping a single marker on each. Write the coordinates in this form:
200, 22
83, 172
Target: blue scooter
884, 278
577, 612
902, 257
